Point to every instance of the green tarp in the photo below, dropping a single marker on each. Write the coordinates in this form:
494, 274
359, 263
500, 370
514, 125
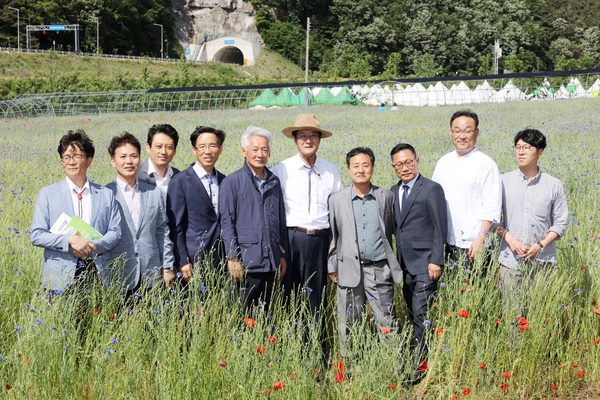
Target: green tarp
346, 97
266, 99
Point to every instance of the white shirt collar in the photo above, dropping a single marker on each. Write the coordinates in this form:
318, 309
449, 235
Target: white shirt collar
124, 187
152, 170
72, 186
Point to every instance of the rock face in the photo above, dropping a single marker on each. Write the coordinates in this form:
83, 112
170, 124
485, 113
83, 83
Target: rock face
200, 21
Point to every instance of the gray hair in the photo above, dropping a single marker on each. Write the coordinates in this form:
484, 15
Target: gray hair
256, 131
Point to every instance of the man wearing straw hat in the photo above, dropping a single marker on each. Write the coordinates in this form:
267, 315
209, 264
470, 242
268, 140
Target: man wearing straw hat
307, 181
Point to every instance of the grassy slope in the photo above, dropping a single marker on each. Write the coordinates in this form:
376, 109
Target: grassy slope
270, 66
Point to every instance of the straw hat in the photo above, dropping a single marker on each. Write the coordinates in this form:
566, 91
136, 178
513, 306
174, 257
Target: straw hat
306, 122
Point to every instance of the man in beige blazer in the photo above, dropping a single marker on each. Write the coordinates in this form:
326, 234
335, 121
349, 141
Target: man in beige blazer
361, 259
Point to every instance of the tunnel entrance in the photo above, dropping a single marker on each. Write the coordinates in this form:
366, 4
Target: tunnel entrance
229, 55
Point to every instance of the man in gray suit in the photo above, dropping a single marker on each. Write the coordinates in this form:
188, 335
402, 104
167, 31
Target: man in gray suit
361, 259
421, 229
145, 247
67, 256
161, 147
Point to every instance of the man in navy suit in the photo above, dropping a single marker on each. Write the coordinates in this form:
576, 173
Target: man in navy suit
421, 228
145, 245
161, 147
70, 255
193, 204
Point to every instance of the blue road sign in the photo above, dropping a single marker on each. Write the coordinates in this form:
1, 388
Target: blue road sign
229, 41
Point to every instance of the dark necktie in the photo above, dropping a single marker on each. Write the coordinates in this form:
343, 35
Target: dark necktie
404, 197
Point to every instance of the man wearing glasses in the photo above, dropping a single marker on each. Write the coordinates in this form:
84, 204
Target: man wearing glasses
421, 231
534, 213
471, 183
70, 257
307, 181
193, 204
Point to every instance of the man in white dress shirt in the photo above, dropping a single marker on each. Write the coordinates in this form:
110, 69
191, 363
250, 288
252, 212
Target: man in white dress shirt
307, 181
161, 147
471, 183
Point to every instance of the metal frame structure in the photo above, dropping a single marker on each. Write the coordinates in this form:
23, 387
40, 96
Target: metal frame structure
207, 98
54, 27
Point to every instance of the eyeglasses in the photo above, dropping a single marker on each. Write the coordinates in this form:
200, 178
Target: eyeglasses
407, 163
467, 133
304, 138
526, 148
75, 157
211, 147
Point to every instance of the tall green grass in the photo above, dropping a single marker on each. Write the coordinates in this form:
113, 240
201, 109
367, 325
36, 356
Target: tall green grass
167, 345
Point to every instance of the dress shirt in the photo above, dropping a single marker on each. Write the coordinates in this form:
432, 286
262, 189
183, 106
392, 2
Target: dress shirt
294, 176
473, 191
132, 199
410, 186
86, 200
368, 231
211, 188
531, 209
161, 183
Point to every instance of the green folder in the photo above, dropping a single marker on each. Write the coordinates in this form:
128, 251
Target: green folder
78, 225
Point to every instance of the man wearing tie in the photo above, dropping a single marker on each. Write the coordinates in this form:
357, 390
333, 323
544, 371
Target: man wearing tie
70, 255
193, 204
145, 246
421, 229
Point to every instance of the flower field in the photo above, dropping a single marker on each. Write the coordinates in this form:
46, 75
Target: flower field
542, 341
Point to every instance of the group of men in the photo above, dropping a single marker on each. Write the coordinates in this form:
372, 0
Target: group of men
297, 223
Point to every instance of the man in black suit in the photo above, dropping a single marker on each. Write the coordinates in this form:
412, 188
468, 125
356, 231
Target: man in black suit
193, 204
161, 147
421, 228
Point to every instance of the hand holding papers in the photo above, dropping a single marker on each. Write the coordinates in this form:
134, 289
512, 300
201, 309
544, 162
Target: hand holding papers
81, 234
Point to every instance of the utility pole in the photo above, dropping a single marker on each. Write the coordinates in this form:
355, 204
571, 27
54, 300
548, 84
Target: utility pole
18, 29
306, 63
161, 40
97, 34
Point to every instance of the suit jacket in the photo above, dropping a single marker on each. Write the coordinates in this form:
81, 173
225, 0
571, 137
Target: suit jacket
193, 222
422, 228
145, 249
59, 265
143, 176
343, 255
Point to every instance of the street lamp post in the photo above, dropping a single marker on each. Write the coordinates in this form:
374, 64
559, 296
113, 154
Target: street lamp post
97, 34
161, 40
18, 29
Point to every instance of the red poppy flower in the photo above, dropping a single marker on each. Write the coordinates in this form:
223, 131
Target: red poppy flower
498, 320
463, 313
575, 366
250, 322
8, 387
504, 386
197, 311
392, 386
597, 311
261, 350
582, 266
482, 366
593, 303
385, 330
113, 315
524, 327
339, 365
522, 321
581, 374
272, 339
462, 289
507, 375
547, 319
454, 397
448, 312
423, 366
96, 312
466, 391
263, 391
439, 332
554, 387
278, 385
339, 377
222, 363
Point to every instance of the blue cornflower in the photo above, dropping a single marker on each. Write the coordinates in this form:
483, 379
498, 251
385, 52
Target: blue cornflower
136, 294
371, 298
109, 352
59, 292
447, 349
17, 329
308, 289
38, 321
66, 348
442, 285
578, 290
1, 357
114, 340
389, 304
27, 305
179, 274
427, 322
173, 291
65, 331
202, 288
